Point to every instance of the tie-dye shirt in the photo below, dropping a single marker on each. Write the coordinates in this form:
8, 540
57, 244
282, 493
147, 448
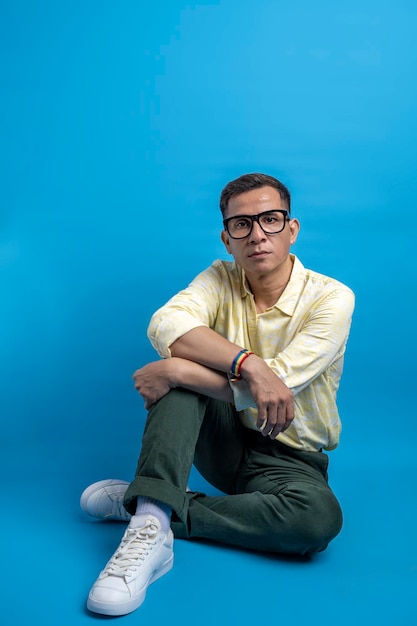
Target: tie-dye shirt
302, 338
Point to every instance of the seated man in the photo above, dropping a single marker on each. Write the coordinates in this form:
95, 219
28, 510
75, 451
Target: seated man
246, 390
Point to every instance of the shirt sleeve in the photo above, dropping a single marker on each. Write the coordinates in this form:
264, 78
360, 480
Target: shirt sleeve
319, 343
192, 307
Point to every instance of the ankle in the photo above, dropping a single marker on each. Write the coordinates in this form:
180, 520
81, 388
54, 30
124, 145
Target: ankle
160, 510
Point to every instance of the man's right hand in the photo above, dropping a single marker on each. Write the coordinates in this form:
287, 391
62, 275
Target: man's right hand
153, 381
274, 400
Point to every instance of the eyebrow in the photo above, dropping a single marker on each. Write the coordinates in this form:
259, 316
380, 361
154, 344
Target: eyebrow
258, 214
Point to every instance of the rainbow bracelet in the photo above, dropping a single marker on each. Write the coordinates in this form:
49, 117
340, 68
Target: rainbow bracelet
237, 364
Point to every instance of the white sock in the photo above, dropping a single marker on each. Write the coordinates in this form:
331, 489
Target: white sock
149, 506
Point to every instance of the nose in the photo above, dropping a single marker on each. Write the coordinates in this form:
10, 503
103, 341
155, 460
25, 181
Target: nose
257, 233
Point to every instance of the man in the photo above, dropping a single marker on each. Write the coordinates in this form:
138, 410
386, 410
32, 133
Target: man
246, 390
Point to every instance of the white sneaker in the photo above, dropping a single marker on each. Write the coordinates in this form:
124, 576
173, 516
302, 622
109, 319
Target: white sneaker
144, 555
104, 500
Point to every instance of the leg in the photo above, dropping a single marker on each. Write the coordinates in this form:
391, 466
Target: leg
298, 521
178, 425
146, 549
218, 453
221, 447
282, 503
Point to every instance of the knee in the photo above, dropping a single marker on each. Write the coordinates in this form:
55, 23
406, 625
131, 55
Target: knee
313, 522
323, 524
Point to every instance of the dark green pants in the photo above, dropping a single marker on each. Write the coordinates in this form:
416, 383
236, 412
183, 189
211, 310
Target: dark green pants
277, 498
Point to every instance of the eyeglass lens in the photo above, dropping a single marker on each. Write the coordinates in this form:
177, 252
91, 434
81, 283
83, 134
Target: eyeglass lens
271, 222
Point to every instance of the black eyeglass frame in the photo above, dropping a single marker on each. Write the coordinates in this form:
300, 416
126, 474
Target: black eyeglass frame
255, 218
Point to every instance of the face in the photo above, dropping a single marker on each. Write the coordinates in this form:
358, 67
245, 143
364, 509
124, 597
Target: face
260, 254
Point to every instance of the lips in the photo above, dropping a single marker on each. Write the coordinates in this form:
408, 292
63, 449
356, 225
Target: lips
258, 253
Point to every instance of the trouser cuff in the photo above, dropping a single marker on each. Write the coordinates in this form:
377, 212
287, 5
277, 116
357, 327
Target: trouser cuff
158, 490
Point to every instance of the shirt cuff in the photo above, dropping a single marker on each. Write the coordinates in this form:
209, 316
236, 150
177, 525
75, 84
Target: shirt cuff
242, 396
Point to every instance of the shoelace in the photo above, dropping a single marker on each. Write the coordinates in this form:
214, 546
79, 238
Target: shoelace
118, 510
136, 545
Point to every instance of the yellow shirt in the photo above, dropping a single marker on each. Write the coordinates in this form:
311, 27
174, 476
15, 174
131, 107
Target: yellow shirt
302, 338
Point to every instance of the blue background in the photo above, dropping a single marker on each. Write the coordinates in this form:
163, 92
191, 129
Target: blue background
120, 124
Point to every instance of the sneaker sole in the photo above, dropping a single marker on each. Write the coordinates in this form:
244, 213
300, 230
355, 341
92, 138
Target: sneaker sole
123, 608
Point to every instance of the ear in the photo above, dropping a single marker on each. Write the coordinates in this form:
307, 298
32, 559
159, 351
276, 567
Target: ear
294, 230
226, 240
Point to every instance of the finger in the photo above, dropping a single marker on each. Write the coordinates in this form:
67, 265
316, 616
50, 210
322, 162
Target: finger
273, 434
273, 425
265, 427
262, 417
270, 422
289, 415
286, 425
278, 428
281, 421
285, 420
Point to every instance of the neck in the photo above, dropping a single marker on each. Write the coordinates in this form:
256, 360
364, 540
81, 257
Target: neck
268, 288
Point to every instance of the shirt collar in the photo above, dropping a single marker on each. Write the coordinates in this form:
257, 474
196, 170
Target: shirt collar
289, 297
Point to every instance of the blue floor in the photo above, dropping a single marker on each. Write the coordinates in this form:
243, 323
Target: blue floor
54, 552
120, 123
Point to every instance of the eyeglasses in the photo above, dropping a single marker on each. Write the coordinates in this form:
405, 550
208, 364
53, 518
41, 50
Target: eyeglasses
271, 222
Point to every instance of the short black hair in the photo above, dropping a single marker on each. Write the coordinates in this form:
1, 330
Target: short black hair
247, 182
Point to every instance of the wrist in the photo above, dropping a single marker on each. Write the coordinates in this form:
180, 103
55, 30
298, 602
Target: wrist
238, 363
250, 367
172, 372
180, 371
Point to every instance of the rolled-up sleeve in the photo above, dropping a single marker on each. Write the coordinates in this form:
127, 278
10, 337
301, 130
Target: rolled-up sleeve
192, 307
